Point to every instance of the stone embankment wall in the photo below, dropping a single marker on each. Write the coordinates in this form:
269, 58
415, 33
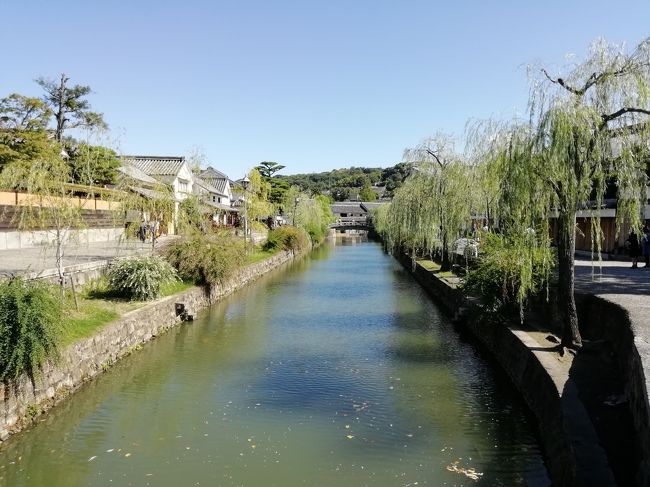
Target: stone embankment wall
612, 323
509, 348
86, 358
549, 392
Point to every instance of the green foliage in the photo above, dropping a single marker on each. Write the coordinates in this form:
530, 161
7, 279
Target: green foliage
267, 169
25, 146
366, 193
207, 258
434, 206
312, 214
20, 112
93, 165
339, 183
69, 105
140, 278
30, 326
287, 238
509, 270
256, 202
191, 215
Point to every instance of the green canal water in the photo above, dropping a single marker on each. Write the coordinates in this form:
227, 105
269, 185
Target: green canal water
335, 371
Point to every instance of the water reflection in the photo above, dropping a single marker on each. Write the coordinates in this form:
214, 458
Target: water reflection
336, 371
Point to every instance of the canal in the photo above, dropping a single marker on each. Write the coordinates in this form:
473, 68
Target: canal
335, 371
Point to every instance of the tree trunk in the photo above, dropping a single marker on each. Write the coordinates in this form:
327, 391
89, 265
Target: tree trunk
566, 246
59, 263
60, 114
445, 262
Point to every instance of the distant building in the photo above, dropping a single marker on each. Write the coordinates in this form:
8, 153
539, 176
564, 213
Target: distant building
173, 171
220, 183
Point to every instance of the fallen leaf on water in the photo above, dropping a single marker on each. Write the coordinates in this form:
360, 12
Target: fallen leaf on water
127, 455
92, 458
347, 426
468, 472
109, 451
349, 437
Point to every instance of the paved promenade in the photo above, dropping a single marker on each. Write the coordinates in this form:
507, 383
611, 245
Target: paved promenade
616, 281
36, 260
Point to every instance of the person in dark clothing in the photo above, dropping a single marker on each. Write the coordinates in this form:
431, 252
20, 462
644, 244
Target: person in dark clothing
646, 245
635, 248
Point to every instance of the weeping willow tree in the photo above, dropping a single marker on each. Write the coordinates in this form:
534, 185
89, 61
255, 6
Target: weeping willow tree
585, 130
50, 204
517, 256
434, 205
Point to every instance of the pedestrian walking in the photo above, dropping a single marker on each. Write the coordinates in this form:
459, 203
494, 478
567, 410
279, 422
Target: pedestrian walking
634, 248
646, 245
142, 231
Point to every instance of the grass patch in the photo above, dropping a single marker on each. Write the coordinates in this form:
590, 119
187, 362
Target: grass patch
98, 306
174, 287
258, 255
91, 317
429, 265
446, 274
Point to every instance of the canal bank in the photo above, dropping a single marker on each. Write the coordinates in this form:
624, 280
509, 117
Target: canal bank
588, 437
334, 370
80, 362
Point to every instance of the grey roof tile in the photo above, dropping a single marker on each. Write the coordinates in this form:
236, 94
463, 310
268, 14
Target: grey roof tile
156, 165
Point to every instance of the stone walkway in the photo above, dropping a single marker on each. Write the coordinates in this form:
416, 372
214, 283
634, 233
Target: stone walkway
629, 288
36, 260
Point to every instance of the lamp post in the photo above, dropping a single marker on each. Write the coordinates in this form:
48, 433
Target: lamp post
295, 209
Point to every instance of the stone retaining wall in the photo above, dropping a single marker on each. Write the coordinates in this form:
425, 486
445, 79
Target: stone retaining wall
509, 348
86, 358
612, 323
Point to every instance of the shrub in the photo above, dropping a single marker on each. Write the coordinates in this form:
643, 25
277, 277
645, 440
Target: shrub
140, 278
207, 259
507, 272
287, 238
31, 326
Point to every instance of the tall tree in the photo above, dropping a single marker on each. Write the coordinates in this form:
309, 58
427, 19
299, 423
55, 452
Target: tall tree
267, 168
585, 128
68, 103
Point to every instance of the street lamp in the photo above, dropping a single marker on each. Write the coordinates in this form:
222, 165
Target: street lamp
295, 209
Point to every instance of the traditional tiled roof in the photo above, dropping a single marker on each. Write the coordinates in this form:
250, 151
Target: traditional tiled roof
147, 193
216, 178
212, 173
370, 205
155, 165
207, 186
135, 173
347, 207
222, 207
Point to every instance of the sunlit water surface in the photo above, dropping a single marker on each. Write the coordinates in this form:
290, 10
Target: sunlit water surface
335, 371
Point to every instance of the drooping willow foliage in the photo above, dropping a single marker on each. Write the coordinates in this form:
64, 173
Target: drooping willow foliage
519, 205
434, 205
587, 135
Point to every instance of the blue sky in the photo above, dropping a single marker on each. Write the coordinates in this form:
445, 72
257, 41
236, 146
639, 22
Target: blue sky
314, 85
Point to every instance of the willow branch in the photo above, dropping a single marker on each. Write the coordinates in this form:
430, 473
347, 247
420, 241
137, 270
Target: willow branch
623, 111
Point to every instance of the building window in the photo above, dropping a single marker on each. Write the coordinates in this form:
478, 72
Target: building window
219, 199
214, 199
182, 186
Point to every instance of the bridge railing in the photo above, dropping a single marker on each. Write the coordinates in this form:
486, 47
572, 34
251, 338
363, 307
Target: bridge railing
348, 221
